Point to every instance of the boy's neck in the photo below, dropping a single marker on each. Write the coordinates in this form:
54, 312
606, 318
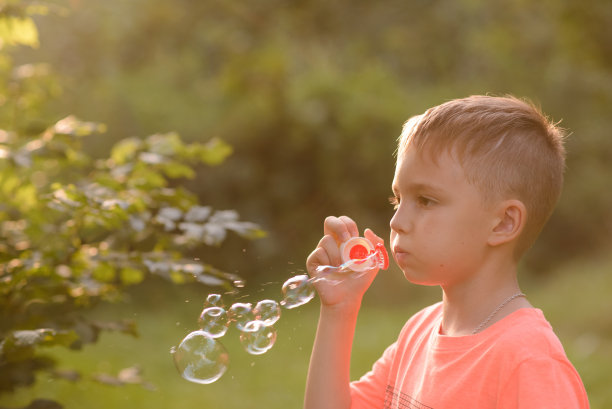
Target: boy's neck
469, 304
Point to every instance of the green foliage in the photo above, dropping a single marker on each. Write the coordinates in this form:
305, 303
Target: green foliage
313, 99
76, 231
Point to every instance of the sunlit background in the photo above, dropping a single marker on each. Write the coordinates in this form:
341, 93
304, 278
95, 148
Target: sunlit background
311, 96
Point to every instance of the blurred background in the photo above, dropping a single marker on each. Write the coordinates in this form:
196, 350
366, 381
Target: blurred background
311, 95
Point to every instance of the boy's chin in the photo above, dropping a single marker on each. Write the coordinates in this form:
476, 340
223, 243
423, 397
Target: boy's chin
418, 279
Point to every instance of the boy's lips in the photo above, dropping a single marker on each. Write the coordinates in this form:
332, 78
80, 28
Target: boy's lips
400, 254
399, 250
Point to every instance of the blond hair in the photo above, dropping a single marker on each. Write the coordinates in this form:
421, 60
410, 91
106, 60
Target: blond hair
507, 147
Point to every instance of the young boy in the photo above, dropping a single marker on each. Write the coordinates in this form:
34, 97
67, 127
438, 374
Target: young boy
475, 181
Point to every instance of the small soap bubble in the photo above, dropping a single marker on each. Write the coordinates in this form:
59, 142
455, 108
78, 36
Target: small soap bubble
267, 311
257, 338
297, 291
214, 321
240, 314
200, 358
214, 300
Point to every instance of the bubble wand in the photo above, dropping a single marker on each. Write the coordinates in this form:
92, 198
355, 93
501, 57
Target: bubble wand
201, 358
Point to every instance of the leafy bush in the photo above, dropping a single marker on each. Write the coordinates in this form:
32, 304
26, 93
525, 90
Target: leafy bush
77, 231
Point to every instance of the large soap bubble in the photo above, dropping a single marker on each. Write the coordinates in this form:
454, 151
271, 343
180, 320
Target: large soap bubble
200, 358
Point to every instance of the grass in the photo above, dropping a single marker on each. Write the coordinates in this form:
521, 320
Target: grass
575, 301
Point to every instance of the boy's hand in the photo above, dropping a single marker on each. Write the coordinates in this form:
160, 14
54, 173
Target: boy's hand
347, 293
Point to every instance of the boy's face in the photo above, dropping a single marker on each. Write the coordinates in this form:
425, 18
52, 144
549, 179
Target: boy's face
440, 227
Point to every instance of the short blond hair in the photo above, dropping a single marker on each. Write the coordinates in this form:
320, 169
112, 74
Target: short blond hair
507, 147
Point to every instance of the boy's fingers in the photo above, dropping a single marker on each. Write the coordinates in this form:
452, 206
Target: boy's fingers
332, 250
326, 253
316, 258
336, 228
341, 228
350, 225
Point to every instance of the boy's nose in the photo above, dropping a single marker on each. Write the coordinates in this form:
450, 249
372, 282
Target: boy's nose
399, 222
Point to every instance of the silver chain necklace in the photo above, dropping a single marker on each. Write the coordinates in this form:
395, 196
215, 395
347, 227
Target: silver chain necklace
502, 305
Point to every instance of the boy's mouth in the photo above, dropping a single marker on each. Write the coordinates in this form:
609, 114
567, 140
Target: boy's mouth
400, 255
399, 252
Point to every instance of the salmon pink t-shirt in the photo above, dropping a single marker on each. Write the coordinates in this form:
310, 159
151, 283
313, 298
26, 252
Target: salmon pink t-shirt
518, 362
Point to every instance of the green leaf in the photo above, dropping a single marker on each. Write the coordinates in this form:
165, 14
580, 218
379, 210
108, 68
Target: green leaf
213, 153
19, 344
18, 31
125, 150
8, 183
130, 276
168, 144
26, 197
177, 277
75, 127
104, 273
177, 170
145, 177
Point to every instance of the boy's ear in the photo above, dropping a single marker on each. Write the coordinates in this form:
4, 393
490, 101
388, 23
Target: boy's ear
509, 223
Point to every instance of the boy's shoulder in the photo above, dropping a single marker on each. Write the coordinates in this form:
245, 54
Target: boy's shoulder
524, 341
522, 335
527, 333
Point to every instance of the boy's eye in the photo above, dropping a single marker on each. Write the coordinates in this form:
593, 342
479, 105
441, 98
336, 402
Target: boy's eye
394, 200
425, 201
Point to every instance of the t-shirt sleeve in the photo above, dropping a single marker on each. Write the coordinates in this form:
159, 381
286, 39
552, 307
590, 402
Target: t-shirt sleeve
544, 383
369, 390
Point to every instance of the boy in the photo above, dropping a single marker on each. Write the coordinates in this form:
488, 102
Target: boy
475, 181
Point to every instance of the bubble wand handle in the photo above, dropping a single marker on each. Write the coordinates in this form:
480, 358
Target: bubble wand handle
358, 255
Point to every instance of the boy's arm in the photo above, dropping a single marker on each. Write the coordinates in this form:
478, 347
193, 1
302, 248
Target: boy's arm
328, 380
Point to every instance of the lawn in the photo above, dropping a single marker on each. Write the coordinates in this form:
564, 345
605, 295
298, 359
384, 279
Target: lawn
576, 301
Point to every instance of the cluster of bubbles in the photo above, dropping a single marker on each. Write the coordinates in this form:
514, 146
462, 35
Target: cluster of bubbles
201, 358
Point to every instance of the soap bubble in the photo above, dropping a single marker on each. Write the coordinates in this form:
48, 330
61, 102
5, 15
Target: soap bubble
214, 300
240, 313
267, 311
257, 338
200, 358
297, 291
214, 321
